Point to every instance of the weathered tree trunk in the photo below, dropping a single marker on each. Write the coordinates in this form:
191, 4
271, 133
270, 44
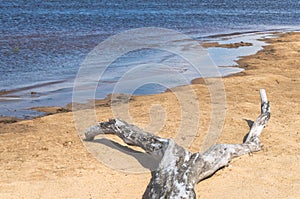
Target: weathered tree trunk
179, 170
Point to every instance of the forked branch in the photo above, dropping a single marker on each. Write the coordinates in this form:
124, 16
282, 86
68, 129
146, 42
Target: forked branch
180, 170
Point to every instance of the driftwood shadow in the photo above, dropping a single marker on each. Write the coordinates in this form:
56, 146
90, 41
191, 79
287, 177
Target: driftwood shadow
146, 160
250, 123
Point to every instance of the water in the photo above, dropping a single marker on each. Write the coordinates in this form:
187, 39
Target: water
42, 44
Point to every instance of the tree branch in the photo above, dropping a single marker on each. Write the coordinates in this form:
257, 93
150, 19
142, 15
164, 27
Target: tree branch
179, 170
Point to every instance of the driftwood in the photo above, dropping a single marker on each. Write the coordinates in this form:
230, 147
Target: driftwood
180, 170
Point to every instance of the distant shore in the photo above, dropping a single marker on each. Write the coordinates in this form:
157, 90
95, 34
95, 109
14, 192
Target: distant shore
44, 157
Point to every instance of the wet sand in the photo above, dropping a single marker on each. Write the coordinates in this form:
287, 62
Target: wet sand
44, 157
21, 100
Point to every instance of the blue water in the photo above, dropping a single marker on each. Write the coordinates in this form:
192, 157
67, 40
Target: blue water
45, 42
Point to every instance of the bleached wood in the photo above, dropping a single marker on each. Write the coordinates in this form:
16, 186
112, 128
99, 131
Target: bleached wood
180, 170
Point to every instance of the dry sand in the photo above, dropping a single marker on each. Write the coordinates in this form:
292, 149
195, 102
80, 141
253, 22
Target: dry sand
44, 157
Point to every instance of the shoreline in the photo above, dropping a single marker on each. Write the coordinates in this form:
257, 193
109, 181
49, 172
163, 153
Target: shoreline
40, 111
44, 157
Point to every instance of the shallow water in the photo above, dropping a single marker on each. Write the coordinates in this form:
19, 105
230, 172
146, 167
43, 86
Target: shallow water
42, 44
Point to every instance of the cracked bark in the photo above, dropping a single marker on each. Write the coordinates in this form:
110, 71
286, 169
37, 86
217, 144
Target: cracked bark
180, 170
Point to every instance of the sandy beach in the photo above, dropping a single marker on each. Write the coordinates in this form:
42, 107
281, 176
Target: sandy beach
45, 158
